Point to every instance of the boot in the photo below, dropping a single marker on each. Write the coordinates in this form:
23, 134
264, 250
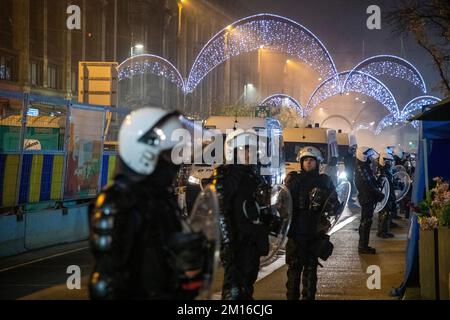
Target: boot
309, 281
294, 271
383, 225
364, 234
293, 283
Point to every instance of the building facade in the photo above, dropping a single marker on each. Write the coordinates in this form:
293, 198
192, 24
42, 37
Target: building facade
39, 54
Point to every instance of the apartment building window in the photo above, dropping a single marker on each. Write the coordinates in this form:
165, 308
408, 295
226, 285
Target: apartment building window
36, 73
74, 82
6, 67
54, 76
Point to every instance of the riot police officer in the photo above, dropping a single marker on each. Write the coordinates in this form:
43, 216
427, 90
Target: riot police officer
307, 239
139, 241
398, 154
349, 163
386, 162
369, 194
245, 237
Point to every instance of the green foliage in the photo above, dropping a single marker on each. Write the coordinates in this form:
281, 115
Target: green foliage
444, 219
239, 111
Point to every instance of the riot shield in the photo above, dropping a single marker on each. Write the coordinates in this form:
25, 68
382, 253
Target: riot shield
331, 214
399, 168
279, 220
204, 218
386, 189
402, 184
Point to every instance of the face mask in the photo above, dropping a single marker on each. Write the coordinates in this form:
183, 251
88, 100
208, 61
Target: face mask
165, 172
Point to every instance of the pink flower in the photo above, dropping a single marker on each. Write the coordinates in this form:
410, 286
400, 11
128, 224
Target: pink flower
428, 223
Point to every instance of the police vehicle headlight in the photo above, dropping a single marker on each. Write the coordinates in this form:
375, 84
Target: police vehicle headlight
193, 180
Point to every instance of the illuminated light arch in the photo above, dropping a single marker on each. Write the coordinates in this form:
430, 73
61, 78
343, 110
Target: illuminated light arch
392, 66
416, 104
150, 63
408, 111
270, 31
276, 100
388, 121
358, 82
339, 117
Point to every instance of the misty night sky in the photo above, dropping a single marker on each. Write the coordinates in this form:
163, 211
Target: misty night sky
341, 26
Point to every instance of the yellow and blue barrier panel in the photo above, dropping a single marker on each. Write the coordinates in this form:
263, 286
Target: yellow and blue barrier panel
41, 178
108, 169
9, 169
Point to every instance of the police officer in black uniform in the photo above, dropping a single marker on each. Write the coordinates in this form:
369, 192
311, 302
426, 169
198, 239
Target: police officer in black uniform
310, 192
349, 163
369, 194
140, 245
385, 168
243, 193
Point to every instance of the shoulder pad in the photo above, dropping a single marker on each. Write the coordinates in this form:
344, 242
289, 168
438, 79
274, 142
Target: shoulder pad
326, 180
113, 198
292, 178
293, 174
111, 201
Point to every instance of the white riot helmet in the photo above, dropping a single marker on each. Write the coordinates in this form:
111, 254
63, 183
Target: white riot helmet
240, 139
384, 157
144, 135
311, 152
365, 153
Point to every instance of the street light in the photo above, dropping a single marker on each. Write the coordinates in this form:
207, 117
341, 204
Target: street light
137, 49
180, 11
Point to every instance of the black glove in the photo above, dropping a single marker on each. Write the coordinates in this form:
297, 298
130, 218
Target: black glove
186, 256
322, 247
274, 223
263, 195
252, 211
379, 196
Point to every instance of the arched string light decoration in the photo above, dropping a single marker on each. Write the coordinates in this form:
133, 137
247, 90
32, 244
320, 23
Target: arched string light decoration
358, 82
153, 64
391, 66
281, 100
410, 109
277, 33
268, 31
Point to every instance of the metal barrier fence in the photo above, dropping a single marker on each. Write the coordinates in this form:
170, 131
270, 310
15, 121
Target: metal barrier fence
53, 149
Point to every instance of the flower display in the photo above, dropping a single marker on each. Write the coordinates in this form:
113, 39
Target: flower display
434, 210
